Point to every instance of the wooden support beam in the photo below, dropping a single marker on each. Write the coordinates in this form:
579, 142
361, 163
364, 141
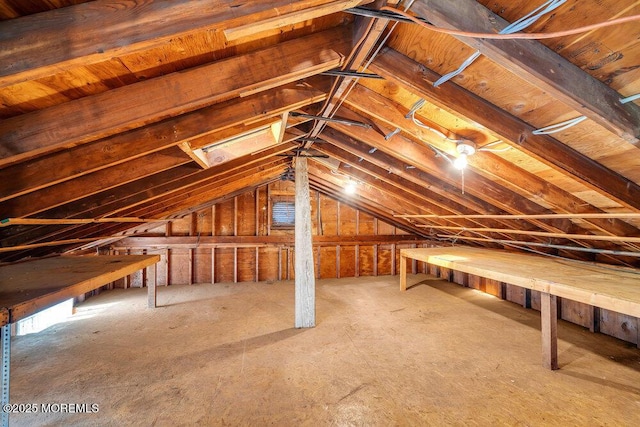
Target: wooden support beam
415, 154
156, 187
30, 47
305, 301
417, 79
96, 182
74, 122
549, 327
537, 64
203, 123
487, 164
69, 221
221, 189
604, 215
274, 240
538, 233
254, 27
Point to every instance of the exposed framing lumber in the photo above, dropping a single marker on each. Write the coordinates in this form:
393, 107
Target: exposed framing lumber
305, 281
369, 32
488, 164
192, 241
604, 215
536, 233
416, 78
417, 155
90, 118
70, 221
157, 189
31, 46
290, 18
537, 64
55, 243
110, 151
95, 182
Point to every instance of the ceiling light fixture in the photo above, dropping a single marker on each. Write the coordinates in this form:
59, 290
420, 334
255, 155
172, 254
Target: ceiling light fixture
350, 187
464, 149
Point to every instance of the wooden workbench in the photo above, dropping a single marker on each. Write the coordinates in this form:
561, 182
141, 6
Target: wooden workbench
32, 286
608, 287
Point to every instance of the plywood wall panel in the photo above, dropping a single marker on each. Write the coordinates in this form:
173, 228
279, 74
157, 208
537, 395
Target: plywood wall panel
366, 261
328, 262
180, 269
224, 265
516, 294
619, 325
347, 261
204, 222
224, 218
365, 224
347, 221
384, 259
163, 269
268, 265
576, 312
459, 277
181, 226
328, 216
493, 287
384, 228
246, 264
202, 265
246, 214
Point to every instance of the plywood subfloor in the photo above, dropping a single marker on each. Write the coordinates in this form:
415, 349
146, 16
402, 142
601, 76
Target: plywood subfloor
227, 354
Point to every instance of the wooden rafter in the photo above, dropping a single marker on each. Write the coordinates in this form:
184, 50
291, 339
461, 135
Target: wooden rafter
537, 64
90, 118
451, 97
31, 47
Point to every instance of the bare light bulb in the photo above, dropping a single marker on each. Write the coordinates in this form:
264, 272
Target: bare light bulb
350, 188
460, 162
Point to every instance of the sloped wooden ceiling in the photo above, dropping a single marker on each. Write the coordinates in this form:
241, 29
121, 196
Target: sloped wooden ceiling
117, 114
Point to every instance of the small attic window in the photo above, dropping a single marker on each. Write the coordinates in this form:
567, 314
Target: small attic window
283, 214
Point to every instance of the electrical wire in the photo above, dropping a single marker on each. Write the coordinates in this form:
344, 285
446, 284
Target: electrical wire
559, 127
521, 36
495, 150
514, 27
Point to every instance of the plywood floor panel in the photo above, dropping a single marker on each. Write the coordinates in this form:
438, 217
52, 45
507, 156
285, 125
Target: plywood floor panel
227, 354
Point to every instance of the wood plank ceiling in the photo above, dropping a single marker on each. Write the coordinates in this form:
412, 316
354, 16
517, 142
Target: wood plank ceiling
116, 114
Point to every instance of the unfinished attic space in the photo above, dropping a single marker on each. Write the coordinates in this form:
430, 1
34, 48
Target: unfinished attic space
320, 212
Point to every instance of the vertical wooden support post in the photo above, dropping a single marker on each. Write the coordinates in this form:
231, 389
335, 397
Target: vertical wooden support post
305, 298
549, 317
375, 259
168, 257
213, 265
393, 259
191, 266
357, 260
235, 264
152, 299
337, 261
152, 283
403, 272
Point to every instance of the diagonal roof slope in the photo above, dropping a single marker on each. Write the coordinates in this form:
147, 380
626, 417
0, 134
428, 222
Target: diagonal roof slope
115, 115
